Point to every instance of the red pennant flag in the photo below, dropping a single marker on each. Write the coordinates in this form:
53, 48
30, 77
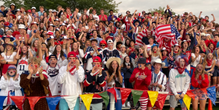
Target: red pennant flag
18, 100
161, 100
124, 94
33, 101
209, 104
190, 94
113, 91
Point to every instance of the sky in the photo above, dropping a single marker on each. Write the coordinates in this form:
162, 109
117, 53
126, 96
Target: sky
207, 7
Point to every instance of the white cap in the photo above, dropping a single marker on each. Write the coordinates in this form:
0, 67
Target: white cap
203, 34
53, 10
119, 14
12, 4
2, 5
164, 48
18, 9
63, 24
65, 37
79, 15
33, 8
52, 37
21, 26
50, 9
109, 41
34, 22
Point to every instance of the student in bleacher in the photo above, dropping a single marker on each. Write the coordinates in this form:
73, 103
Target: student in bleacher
199, 81
179, 81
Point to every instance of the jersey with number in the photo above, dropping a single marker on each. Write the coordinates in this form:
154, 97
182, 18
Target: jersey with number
22, 65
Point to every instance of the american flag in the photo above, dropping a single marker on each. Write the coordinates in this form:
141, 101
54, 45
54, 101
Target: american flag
167, 31
142, 34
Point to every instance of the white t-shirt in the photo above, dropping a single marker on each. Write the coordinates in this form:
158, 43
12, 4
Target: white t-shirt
197, 60
9, 58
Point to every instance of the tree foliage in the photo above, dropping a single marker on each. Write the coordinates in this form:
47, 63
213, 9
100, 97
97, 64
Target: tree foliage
159, 9
52, 4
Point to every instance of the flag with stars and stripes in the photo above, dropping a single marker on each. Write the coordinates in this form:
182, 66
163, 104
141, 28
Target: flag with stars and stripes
167, 31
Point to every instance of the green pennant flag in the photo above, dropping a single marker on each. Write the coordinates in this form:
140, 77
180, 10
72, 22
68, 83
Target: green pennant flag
136, 95
105, 97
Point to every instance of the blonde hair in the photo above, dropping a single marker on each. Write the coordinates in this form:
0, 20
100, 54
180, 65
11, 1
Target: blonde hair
203, 71
34, 59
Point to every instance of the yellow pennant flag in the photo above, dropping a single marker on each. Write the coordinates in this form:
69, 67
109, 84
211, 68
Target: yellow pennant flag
187, 101
87, 99
152, 97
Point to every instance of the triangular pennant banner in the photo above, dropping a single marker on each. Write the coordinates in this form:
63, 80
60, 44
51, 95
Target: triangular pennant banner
87, 99
71, 101
152, 97
124, 94
52, 102
33, 101
161, 100
212, 94
187, 101
191, 94
136, 95
2, 99
18, 100
105, 97
113, 91
209, 104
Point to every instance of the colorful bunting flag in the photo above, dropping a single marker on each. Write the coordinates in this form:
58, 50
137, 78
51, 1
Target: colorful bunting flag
152, 97
18, 100
71, 101
105, 98
113, 91
161, 100
209, 104
191, 94
52, 102
136, 94
33, 101
212, 94
87, 99
187, 101
124, 94
2, 99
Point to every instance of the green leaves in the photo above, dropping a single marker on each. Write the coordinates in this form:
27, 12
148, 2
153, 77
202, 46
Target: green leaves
53, 4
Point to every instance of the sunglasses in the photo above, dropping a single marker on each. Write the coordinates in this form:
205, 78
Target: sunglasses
102, 45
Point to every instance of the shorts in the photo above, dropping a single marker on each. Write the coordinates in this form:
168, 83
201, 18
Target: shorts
199, 94
174, 103
216, 72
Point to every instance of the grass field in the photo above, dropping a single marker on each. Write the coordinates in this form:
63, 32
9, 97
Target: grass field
178, 108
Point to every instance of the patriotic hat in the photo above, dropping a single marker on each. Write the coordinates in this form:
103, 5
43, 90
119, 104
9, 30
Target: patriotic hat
96, 59
12, 67
71, 54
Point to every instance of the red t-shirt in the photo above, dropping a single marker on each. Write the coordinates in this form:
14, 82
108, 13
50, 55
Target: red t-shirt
104, 17
141, 84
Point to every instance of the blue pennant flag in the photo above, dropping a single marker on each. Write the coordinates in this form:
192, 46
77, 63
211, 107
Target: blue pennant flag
180, 100
212, 94
2, 99
52, 102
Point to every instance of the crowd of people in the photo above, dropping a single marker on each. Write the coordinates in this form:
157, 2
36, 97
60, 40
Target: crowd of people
72, 51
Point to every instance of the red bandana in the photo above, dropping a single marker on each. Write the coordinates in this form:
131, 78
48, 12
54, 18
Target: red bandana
180, 70
164, 57
209, 62
72, 70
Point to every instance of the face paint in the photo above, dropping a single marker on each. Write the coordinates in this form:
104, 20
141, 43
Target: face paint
35, 66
